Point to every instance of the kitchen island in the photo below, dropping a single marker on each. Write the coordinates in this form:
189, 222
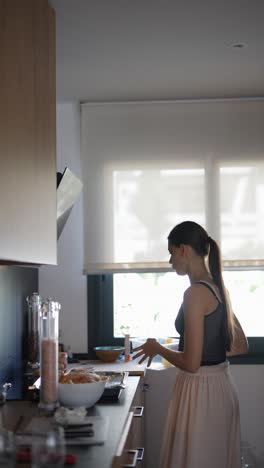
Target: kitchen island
17, 414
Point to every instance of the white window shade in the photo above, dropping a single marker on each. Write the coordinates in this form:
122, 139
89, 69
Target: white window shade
146, 204
242, 211
149, 166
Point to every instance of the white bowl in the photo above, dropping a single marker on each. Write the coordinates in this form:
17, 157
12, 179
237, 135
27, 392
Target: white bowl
73, 395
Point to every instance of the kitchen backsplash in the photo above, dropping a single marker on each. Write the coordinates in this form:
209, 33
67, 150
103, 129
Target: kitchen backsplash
16, 283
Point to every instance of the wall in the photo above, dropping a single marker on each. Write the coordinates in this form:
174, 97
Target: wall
249, 380
16, 283
65, 282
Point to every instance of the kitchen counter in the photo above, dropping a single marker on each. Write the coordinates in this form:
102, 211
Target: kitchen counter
118, 366
99, 456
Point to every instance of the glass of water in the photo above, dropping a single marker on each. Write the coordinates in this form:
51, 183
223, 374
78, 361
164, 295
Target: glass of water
7, 449
247, 456
48, 450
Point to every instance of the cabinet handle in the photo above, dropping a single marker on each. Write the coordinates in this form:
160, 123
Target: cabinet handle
140, 455
135, 458
140, 414
145, 387
122, 442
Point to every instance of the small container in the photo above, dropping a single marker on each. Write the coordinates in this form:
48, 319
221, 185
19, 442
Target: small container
49, 338
127, 348
63, 361
3, 392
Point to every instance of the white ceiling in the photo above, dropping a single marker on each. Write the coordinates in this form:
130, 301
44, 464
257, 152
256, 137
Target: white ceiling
109, 50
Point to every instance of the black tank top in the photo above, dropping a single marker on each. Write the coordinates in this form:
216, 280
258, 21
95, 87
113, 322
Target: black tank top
215, 332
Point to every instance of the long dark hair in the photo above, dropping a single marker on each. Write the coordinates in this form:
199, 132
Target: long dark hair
191, 233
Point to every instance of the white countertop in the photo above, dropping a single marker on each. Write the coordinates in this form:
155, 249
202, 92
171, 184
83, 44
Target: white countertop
131, 366
121, 366
118, 366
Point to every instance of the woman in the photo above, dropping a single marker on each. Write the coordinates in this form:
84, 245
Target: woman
203, 425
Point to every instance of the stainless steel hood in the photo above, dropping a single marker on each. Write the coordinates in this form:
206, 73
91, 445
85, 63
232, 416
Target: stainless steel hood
69, 187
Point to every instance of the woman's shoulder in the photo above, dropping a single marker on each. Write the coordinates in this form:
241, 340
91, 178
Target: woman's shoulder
202, 287
200, 297
194, 292
195, 302
197, 288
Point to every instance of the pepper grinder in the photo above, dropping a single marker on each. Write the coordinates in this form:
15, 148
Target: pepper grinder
49, 340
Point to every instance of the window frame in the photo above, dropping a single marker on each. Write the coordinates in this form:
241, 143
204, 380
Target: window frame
101, 324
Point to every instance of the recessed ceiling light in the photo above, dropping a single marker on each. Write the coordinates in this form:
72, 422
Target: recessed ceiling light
239, 45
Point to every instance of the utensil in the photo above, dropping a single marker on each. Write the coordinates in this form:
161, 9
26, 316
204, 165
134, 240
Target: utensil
67, 432
77, 426
71, 434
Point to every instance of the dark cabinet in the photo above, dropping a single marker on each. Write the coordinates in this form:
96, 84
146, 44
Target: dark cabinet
27, 132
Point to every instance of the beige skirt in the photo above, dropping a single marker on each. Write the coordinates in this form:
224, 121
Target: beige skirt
203, 423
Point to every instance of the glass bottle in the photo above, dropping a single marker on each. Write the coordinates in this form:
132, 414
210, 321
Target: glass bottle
49, 339
34, 306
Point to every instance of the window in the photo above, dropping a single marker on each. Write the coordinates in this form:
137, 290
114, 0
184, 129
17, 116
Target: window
145, 300
148, 166
242, 211
146, 304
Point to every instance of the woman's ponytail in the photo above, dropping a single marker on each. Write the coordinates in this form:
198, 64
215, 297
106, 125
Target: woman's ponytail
215, 267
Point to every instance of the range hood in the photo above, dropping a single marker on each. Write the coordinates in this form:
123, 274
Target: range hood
69, 187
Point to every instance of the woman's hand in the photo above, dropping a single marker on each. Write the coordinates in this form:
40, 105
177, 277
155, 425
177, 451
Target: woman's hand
148, 351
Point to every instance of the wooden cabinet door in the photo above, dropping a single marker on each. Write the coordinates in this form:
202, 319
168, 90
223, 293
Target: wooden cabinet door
27, 132
131, 450
126, 454
138, 425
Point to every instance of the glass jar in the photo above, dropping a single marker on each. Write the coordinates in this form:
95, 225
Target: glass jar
7, 448
34, 306
49, 338
63, 362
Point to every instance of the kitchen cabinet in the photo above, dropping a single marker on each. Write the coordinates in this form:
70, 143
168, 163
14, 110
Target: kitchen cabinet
131, 448
28, 232
160, 380
16, 415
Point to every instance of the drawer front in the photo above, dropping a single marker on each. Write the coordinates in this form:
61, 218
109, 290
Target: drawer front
131, 450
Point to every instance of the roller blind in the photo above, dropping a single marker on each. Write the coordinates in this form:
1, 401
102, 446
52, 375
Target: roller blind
148, 166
